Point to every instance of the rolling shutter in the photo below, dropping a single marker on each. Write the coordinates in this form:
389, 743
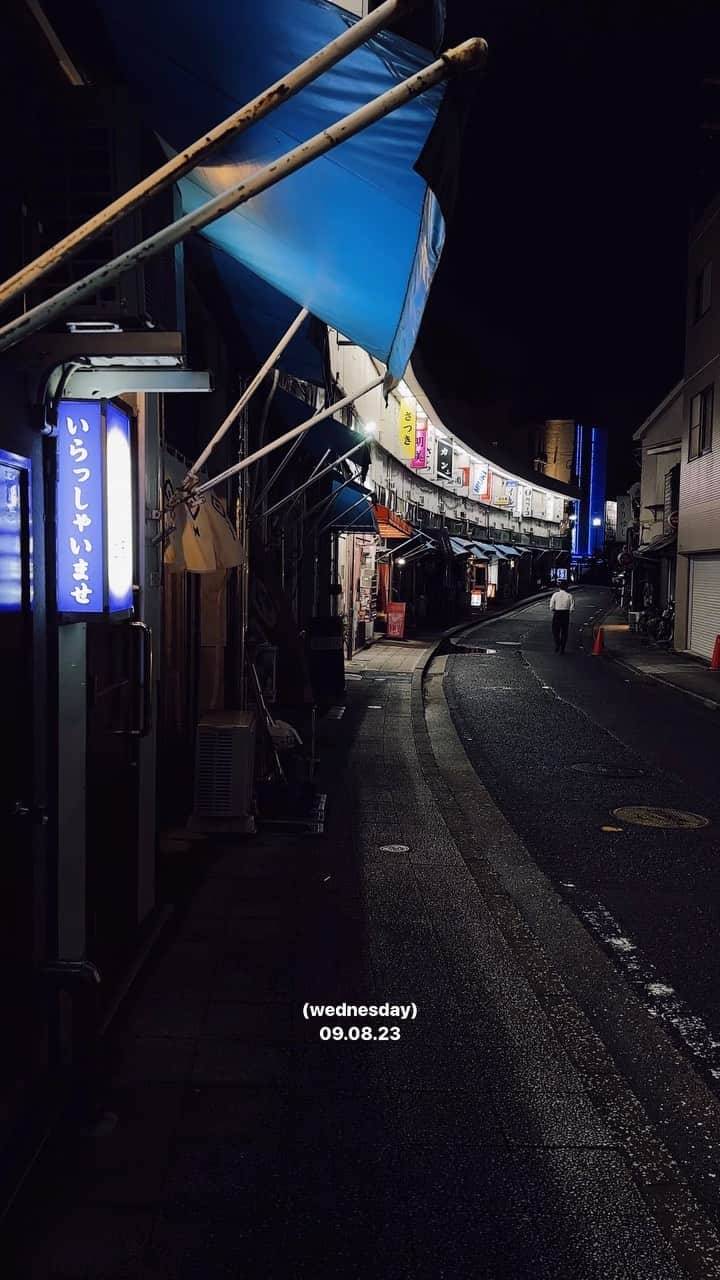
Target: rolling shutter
704, 604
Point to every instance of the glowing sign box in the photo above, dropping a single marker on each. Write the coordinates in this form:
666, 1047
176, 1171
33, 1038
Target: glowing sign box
94, 509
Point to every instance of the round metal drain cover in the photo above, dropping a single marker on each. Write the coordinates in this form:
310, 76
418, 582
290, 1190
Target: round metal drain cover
644, 816
608, 771
394, 848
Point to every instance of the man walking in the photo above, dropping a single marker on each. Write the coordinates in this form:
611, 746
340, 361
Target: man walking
561, 606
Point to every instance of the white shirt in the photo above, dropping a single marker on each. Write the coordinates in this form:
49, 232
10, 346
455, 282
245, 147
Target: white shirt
561, 600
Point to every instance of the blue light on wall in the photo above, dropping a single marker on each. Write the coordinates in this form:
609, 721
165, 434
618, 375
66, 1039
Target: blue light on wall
94, 509
598, 485
11, 529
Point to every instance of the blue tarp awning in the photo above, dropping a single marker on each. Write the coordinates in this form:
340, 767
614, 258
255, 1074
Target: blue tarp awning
351, 509
492, 550
460, 546
261, 312
355, 236
329, 434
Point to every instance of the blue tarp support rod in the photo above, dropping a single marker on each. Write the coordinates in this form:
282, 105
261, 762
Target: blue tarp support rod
323, 506
248, 392
316, 475
249, 114
464, 57
365, 498
327, 412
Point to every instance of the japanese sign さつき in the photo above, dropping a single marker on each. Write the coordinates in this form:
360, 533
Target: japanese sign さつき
94, 509
408, 419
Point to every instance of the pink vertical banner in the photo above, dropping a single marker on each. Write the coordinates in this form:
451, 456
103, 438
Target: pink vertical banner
420, 459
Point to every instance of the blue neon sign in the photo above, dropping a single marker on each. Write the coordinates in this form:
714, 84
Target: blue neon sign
94, 509
15, 551
80, 515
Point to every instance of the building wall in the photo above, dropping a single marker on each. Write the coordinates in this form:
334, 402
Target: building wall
415, 494
699, 521
660, 453
558, 439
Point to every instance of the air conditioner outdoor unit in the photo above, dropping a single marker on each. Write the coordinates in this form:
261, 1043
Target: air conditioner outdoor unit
224, 762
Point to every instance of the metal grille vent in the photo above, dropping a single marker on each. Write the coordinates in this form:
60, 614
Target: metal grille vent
224, 765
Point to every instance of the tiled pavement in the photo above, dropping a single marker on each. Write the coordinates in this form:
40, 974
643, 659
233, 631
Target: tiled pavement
246, 1146
388, 656
680, 670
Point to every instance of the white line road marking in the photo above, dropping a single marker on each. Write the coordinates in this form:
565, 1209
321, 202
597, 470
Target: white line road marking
660, 999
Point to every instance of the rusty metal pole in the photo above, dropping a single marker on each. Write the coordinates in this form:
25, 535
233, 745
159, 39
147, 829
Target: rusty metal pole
174, 169
465, 57
249, 391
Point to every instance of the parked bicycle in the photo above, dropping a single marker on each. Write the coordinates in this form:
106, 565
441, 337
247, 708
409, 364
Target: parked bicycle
648, 621
666, 624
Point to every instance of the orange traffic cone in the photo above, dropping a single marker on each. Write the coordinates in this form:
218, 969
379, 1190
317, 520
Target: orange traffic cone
598, 647
715, 660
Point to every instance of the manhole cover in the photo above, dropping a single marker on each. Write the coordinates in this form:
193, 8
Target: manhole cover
394, 848
608, 771
641, 816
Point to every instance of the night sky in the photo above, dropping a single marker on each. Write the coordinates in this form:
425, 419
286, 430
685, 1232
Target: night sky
561, 291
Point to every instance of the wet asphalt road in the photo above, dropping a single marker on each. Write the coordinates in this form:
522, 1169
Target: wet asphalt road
527, 716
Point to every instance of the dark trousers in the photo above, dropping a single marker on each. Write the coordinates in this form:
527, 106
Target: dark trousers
560, 628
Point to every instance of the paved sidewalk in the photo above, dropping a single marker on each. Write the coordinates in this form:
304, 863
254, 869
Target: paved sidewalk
680, 670
390, 656
248, 1146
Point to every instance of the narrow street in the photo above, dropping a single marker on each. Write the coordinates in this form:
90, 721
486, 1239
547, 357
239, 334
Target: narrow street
495, 1137
562, 741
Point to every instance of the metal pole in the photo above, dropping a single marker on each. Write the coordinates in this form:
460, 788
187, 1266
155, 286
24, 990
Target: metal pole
292, 498
277, 473
249, 391
326, 503
464, 57
314, 477
365, 498
184, 161
289, 435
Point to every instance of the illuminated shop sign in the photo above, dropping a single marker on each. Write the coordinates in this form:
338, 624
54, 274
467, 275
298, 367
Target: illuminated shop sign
421, 444
407, 421
445, 460
94, 509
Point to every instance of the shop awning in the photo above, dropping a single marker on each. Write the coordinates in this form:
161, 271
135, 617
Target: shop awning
356, 236
262, 313
507, 550
328, 435
660, 546
460, 546
490, 550
390, 526
350, 509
